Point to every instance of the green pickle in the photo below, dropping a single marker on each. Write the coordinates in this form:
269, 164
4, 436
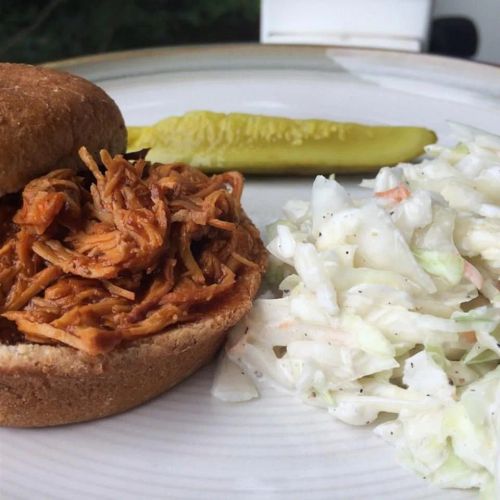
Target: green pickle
260, 144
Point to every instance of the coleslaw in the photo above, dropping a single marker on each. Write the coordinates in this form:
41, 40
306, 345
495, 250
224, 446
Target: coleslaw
389, 304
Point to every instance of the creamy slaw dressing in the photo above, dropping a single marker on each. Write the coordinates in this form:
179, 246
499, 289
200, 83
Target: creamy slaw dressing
389, 303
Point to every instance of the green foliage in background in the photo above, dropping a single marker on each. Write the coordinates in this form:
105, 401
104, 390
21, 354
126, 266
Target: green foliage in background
36, 30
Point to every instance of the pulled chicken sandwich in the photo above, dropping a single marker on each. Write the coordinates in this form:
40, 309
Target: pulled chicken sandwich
118, 277
143, 247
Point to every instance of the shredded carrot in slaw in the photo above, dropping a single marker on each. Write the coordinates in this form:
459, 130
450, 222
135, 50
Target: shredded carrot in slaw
396, 195
473, 275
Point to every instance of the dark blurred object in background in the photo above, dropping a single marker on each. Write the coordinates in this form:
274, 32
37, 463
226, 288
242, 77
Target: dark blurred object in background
35, 31
453, 36
39, 30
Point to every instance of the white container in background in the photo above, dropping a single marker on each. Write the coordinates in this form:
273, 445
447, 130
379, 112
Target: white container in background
388, 24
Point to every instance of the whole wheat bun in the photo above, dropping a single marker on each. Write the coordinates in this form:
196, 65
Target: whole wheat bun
45, 116
43, 385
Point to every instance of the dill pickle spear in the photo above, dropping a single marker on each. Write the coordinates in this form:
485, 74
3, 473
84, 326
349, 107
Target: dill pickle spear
271, 145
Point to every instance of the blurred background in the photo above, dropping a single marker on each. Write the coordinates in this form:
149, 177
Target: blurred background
45, 30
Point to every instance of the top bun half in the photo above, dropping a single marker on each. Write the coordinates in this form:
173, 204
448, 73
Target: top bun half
45, 117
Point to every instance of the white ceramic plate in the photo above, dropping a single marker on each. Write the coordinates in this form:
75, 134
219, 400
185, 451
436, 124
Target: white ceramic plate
186, 444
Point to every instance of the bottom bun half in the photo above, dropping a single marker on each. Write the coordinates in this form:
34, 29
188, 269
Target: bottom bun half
42, 385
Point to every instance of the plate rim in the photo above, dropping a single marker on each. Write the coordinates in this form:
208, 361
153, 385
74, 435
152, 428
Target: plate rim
99, 67
139, 53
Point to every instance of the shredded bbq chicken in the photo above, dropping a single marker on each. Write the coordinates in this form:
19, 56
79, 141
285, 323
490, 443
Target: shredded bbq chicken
142, 248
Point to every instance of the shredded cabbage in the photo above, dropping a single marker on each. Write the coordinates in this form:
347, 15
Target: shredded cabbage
390, 304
